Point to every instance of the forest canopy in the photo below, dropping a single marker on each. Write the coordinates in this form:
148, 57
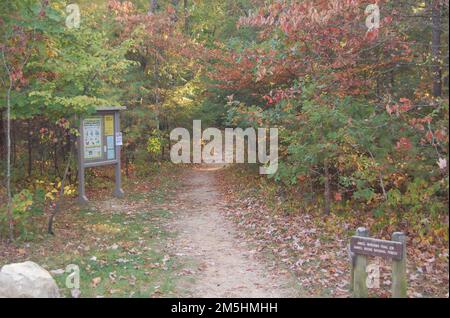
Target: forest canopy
362, 112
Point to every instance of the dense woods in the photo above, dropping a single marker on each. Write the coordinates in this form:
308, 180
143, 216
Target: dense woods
362, 111
357, 89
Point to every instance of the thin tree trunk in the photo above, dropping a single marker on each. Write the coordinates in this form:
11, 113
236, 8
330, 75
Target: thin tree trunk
327, 192
61, 195
8, 150
153, 7
380, 178
8, 163
186, 16
378, 90
68, 150
42, 162
391, 82
157, 110
127, 165
30, 149
55, 158
13, 141
436, 48
2, 136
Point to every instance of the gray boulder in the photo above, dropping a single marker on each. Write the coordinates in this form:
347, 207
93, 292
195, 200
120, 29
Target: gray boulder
27, 280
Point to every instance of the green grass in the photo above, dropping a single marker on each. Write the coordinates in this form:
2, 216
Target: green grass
120, 252
137, 270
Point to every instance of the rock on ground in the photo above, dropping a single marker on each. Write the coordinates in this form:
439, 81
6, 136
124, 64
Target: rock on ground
26, 280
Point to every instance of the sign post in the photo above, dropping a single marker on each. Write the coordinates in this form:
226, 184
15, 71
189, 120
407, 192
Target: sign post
399, 283
99, 144
359, 270
362, 246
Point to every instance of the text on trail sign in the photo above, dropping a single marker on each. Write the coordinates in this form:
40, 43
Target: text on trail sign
373, 247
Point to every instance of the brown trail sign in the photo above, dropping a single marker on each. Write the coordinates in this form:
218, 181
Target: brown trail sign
373, 247
362, 246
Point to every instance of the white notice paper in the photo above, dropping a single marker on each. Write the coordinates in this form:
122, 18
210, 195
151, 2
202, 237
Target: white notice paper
119, 141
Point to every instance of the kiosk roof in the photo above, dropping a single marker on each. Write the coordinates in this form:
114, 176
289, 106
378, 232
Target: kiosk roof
110, 108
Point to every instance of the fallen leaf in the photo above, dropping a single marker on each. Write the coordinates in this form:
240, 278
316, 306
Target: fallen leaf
96, 281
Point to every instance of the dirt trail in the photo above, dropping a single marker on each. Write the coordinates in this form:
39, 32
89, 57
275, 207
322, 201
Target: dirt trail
226, 266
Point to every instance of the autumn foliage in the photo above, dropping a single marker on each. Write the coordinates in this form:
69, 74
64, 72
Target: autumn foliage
362, 129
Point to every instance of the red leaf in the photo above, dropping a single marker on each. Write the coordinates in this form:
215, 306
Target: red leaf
404, 144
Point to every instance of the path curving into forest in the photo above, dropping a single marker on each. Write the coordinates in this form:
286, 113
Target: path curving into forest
226, 265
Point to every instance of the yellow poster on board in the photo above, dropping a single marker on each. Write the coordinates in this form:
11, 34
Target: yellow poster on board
109, 125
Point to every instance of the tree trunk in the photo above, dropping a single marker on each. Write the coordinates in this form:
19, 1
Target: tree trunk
8, 150
61, 195
13, 141
436, 48
153, 7
30, 149
186, 16
156, 76
391, 82
2, 137
8, 163
327, 192
55, 158
127, 164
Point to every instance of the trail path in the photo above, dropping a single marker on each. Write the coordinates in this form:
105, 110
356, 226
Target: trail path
226, 265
